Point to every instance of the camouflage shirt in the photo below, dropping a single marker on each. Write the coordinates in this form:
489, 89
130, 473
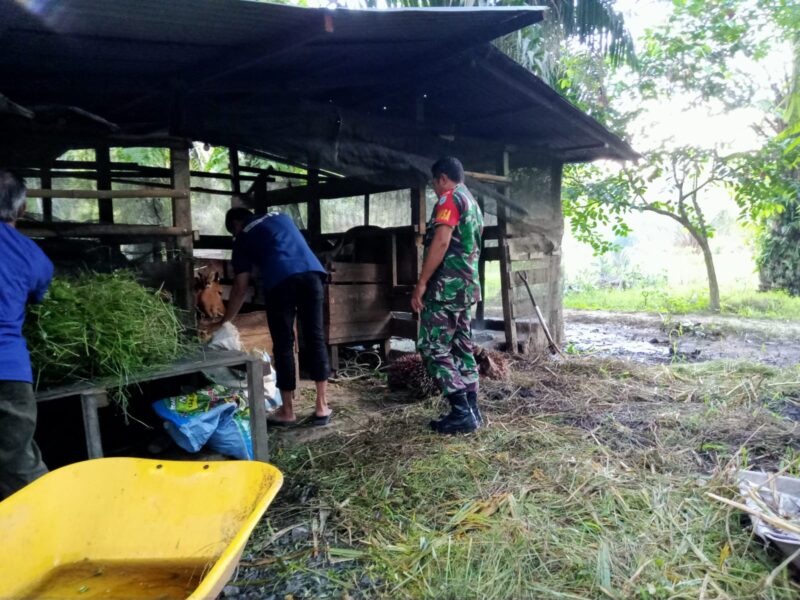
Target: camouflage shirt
456, 280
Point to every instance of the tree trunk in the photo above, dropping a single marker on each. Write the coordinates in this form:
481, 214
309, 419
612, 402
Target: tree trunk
713, 285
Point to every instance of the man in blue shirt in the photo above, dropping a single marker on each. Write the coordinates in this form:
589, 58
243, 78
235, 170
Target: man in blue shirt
293, 285
25, 274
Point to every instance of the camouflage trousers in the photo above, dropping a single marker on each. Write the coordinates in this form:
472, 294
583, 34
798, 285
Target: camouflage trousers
445, 345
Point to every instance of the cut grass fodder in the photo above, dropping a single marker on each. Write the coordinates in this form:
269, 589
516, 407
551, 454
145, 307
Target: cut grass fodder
101, 326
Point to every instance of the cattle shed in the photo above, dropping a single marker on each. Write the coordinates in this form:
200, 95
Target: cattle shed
348, 107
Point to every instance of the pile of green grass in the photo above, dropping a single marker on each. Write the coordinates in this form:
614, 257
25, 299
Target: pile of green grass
590, 482
744, 303
101, 326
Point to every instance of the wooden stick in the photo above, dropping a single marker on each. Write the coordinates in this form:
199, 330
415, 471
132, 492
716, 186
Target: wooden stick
96, 194
554, 349
779, 523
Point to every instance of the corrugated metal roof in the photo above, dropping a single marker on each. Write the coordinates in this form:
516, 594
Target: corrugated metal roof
208, 67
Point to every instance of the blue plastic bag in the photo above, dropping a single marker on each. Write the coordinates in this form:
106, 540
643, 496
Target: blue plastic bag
232, 437
210, 417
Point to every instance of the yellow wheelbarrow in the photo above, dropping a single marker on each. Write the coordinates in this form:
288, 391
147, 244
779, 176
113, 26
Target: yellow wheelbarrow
132, 528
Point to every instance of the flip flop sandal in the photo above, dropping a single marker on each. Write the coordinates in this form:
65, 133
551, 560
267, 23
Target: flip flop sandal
317, 421
276, 423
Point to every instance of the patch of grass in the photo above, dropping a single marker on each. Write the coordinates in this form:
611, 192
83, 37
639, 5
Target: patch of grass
748, 303
589, 482
101, 326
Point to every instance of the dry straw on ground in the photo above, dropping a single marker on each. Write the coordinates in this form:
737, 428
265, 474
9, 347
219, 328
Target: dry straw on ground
590, 481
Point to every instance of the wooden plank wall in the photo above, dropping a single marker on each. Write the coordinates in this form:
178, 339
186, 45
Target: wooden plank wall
358, 302
535, 237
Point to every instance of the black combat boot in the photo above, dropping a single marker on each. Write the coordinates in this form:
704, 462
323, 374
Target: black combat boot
472, 398
461, 418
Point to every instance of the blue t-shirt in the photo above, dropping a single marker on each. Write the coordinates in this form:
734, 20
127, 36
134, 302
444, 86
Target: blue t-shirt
275, 244
25, 273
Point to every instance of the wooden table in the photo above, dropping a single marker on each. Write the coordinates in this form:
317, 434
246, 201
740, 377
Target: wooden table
94, 394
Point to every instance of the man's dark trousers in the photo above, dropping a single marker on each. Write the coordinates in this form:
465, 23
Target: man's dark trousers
301, 295
20, 459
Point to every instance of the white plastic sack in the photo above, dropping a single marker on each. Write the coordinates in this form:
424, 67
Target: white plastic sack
227, 338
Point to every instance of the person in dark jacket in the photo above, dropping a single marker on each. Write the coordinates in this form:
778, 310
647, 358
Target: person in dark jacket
293, 285
25, 274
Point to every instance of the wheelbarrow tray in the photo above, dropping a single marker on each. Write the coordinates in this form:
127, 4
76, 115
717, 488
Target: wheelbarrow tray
787, 490
134, 514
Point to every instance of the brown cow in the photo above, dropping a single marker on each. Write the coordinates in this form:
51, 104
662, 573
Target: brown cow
208, 295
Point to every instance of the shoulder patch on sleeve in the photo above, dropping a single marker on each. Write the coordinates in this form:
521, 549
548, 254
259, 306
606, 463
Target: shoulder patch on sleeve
447, 212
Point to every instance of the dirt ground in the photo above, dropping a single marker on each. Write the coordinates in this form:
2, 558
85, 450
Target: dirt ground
685, 338
626, 447
640, 402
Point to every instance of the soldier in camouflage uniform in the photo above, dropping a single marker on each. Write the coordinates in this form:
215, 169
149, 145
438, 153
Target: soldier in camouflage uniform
448, 286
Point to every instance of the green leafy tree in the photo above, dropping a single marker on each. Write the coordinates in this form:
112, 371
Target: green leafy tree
702, 55
673, 183
768, 186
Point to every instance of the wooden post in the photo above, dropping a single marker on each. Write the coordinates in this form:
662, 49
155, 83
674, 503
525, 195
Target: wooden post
506, 281
418, 207
91, 423
333, 351
258, 412
182, 218
260, 195
105, 205
314, 224
393, 259
556, 316
481, 306
233, 160
46, 183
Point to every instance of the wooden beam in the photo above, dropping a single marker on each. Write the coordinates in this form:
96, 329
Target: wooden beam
258, 412
275, 173
481, 307
139, 173
46, 183
418, 209
506, 283
105, 204
233, 160
95, 194
314, 224
166, 186
393, 259
91, 423
488, 177
208, 359
182, 219
334, 188
90, 230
